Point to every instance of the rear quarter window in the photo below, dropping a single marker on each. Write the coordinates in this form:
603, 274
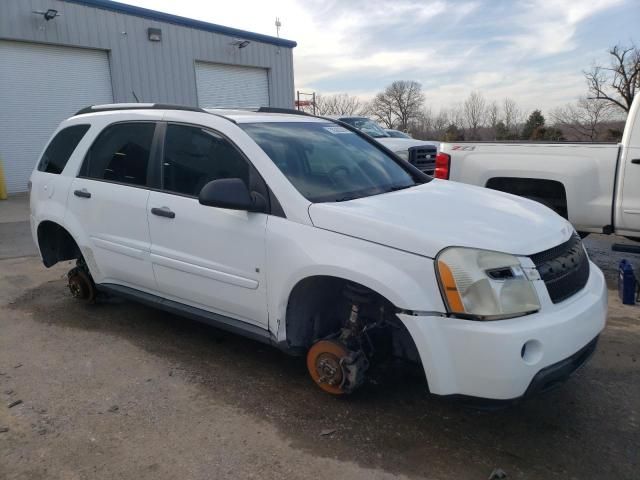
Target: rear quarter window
60, 148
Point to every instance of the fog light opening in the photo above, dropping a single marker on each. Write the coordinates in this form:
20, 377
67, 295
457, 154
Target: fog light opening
531, 352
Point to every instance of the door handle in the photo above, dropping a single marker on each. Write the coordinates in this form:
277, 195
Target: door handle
636, 161
82, 193
163, 212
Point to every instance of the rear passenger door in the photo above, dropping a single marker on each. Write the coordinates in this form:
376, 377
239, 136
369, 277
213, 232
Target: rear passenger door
49, 188
207, 257
108, 203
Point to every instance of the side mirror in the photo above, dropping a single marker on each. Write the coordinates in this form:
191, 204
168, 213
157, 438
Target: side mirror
231, 193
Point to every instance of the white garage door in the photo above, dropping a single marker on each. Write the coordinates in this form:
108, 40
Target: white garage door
41, 85
228, 86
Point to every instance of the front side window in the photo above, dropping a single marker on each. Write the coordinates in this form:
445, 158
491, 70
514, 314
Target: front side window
120, 154
367, 126
328, 163
59, 151
194, 156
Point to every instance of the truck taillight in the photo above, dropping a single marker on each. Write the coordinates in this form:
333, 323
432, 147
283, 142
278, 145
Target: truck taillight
443, 162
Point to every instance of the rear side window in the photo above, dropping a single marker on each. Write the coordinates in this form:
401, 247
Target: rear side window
59, 150
194, 156
120, 154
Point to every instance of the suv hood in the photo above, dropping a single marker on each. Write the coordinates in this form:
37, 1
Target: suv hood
397, 144
427, 218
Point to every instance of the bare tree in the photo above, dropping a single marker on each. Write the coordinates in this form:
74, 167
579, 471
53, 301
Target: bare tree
440, 124
457, 116
399, 103
618, 83
512, 116
475, 109
493, 117
338, 104
584, 118
382, 110
422, 125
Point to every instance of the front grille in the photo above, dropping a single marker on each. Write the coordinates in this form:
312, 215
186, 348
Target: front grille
564, 269
423, 158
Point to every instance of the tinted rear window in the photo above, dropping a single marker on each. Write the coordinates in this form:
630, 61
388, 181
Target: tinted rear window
59, 151
120, 154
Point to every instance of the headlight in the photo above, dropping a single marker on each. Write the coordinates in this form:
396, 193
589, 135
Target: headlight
484, 285
403, 154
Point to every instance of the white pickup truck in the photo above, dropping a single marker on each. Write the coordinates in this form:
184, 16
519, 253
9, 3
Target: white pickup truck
419, 153
596, 186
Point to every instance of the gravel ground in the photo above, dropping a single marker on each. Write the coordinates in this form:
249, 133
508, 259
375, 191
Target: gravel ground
119, 390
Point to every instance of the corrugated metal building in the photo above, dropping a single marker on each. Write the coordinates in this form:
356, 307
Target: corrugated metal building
57, 56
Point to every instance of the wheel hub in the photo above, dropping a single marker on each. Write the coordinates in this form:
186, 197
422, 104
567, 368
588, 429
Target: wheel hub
80, 285
335, 368
329, 369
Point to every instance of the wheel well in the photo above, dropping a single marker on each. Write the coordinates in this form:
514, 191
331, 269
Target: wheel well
318, 308
548, 192
56, 244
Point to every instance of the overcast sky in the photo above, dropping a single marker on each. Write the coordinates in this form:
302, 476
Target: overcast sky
533, 51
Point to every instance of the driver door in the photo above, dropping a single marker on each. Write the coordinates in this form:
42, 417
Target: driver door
207, 257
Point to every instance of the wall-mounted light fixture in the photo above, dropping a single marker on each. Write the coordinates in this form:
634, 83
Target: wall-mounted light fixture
48, 14
237, 42
154, 34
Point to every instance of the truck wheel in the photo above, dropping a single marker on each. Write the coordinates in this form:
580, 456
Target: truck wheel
81, 285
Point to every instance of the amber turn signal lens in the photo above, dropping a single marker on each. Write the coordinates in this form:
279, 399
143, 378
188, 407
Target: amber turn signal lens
450, 288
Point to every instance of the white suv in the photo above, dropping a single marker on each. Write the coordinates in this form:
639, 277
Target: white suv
310, 236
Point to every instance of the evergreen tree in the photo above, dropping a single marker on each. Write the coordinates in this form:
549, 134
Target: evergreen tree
502, 133
453, 134
533, 125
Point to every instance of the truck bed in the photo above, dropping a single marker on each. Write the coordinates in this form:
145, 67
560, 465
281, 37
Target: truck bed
577, 178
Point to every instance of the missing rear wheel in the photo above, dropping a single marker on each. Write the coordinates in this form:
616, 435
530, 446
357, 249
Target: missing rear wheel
81, 285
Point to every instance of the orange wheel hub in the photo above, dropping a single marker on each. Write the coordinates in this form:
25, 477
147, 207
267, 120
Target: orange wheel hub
323, 363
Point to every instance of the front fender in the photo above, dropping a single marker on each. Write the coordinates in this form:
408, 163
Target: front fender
296, 252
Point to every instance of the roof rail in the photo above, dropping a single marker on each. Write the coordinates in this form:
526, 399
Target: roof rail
290, 111
137, 106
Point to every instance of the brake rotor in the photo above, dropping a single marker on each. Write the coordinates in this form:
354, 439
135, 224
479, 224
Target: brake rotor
325, 366
81, 286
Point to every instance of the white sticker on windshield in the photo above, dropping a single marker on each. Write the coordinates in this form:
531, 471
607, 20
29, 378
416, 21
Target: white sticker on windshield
337, 130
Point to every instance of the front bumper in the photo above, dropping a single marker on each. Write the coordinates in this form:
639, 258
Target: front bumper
507, 359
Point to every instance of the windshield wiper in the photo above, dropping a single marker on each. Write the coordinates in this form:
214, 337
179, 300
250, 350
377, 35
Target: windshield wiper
392, 188
395, 188
346, 198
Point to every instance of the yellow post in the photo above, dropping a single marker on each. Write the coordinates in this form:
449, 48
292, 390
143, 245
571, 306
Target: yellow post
3, 185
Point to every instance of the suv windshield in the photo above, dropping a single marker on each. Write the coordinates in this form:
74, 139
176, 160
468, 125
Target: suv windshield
367, 126
328, 163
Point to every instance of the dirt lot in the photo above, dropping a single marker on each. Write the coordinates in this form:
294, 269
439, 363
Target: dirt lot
118, 390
